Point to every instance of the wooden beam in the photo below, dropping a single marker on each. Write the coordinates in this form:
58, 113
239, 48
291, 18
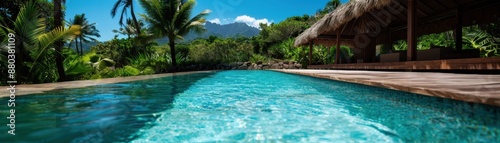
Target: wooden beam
337, 51
335, 37
411, 35
458, 29
310, 52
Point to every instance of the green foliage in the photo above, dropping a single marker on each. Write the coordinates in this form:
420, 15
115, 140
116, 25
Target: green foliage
400, 45
129, 70
444, 39
98, 62
220, 50
86, 34
476, 38
151, 63
34, 55
271, 36
126, 4
75, 67
329, 7
120, 49
256, 58
321, 55
171, 18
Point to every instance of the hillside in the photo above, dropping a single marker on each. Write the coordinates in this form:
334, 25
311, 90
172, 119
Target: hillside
224, 31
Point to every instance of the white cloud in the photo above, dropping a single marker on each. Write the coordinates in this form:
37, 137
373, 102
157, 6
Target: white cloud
216, 21
251, 21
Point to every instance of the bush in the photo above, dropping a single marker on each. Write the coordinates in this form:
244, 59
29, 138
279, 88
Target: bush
256, 57
220, 51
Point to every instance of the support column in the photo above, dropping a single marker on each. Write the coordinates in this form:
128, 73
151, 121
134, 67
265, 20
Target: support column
310, 52
389, 43
370, 51
329, 55
411, 33
337, 51
458, 29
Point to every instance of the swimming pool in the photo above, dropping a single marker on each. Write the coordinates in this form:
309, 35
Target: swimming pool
246, 106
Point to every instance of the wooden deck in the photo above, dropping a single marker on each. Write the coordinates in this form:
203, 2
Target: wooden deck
450, 64
26, 89
474, 88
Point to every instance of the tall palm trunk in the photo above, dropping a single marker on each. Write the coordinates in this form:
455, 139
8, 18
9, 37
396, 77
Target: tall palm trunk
137, 27
76, 45
172, 51
81, 46
58, 16
20, 69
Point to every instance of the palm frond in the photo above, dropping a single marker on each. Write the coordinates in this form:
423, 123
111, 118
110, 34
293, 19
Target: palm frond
47, 39
182, 16
115, 7
27, 24
194, 23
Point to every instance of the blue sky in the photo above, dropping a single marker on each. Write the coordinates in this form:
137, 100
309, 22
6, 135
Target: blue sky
251, 12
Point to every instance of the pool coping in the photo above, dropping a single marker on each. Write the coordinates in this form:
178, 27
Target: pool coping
483, 89
27, 89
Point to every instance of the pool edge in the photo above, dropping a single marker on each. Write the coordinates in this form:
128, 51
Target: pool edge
485, 95
27, 89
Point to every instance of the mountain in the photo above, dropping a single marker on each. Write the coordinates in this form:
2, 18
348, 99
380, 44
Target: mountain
86, 46
223, 31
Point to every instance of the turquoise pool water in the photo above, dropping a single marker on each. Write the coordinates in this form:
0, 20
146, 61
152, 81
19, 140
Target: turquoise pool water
246, 106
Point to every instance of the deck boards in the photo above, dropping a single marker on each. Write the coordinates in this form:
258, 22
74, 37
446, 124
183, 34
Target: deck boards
475, 88
26, 89
450, 64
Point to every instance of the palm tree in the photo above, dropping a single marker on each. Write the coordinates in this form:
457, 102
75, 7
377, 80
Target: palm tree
30, 30
329, 7
58, 18
170, 18
129, 29
87, 31
126, 4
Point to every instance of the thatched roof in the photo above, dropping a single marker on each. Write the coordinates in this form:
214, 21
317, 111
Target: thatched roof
339, 17
370, 17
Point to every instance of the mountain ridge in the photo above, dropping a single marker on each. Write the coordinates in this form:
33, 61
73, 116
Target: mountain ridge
236, 29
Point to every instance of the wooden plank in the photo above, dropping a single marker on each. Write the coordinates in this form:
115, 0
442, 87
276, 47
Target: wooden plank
474, 88
449, 64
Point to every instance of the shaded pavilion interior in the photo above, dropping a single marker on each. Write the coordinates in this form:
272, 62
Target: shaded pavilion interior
364, 24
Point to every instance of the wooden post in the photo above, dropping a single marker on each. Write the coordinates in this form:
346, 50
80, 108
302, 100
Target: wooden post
411, 35
372, 47
389, 43
329, 55
458, 29
337, 51
310, 52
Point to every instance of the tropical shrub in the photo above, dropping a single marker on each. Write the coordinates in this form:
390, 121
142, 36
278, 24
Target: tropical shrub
220, 51
257, 57
75, 67
36, 61
150, 63
476, 38
120, 49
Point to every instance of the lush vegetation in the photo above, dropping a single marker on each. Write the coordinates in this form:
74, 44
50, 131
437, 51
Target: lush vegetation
48, 50
485, 38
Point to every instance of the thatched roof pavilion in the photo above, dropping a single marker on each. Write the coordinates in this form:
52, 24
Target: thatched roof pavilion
363, 24
346, 13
